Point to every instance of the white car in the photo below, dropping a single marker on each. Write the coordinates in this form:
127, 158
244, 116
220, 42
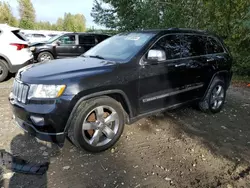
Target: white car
14, 51
37, 37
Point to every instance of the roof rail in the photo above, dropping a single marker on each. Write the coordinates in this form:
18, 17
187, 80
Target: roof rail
173, 28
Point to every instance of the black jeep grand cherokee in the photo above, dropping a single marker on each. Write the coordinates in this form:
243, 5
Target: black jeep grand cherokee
124, 78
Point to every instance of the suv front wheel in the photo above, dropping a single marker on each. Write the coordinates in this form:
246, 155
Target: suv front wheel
215, 97
43, 56
97, 124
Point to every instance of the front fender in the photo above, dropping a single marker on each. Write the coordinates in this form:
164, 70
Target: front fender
76, 101
40, 50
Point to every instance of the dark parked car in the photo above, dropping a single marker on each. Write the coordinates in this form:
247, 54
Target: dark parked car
122, 79
67, 45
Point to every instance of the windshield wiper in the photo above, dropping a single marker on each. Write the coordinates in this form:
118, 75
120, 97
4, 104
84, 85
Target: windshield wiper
96, 56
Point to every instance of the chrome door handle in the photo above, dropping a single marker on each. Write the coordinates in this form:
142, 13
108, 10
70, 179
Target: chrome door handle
210, 60
73, 46
180, 65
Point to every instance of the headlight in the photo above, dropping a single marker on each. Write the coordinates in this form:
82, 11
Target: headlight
45, 91
32, 48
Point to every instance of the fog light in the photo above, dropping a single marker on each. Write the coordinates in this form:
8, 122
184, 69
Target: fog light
39, 121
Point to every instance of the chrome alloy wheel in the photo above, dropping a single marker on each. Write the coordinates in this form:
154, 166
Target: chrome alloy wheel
45, 57
100, 126
217, 97
1, 70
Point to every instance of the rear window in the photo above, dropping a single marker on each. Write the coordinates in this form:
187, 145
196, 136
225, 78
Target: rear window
19, 35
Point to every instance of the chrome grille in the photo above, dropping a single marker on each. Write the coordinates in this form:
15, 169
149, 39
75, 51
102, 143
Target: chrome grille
20, 91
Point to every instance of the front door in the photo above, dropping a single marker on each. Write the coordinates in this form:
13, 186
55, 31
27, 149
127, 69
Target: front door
66, 46
162, 83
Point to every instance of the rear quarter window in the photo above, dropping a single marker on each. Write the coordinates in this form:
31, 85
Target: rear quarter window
213, 46
87, 39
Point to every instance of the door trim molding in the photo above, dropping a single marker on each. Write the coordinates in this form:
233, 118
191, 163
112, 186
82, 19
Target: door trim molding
136, 118
177, 91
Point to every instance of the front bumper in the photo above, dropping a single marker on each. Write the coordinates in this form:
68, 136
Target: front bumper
54, 114
30, 129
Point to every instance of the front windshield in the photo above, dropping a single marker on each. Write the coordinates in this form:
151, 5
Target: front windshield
120, 47
52, 39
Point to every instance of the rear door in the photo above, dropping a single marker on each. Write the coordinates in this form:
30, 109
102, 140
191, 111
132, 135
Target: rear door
86, 42
194, 59
66, 46
216, 57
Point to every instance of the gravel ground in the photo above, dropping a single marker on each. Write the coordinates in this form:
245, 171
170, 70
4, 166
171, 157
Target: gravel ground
181, 148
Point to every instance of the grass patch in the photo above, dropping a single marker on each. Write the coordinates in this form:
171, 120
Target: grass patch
241, 80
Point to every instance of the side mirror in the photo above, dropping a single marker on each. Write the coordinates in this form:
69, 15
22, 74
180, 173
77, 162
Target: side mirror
58, 43
156, 55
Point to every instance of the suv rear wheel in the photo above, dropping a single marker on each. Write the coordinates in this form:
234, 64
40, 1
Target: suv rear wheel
3, 70
97, 124
44, 56
215, 97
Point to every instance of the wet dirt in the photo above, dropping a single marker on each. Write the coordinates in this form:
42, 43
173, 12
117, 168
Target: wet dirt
181, 148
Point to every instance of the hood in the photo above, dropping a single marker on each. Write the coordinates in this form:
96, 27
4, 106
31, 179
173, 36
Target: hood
61, 69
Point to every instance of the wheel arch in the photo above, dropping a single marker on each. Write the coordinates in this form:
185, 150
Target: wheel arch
46, 50
118, 95
8, 63
223, 75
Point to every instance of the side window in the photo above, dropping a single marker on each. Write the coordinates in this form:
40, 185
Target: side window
213, 46
87, 39
38, 36
171, 44
42, 36
67, 40
103, 37
193, 45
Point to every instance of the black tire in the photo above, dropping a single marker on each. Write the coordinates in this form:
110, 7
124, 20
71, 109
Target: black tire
75, 130
3, 70
206, 105
44, 54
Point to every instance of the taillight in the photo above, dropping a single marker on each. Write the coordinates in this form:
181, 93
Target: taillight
19, 46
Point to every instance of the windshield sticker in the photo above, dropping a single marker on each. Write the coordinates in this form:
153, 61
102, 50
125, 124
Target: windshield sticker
133, 38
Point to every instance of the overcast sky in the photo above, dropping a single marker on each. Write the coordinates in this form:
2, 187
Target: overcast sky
50, 10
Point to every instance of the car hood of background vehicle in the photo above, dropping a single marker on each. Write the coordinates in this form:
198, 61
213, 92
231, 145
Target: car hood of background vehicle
61, 69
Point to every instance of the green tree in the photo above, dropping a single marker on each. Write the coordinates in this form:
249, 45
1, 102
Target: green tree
6, 15
59, 24
44, 25
227, 18
27, 14
74, 23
